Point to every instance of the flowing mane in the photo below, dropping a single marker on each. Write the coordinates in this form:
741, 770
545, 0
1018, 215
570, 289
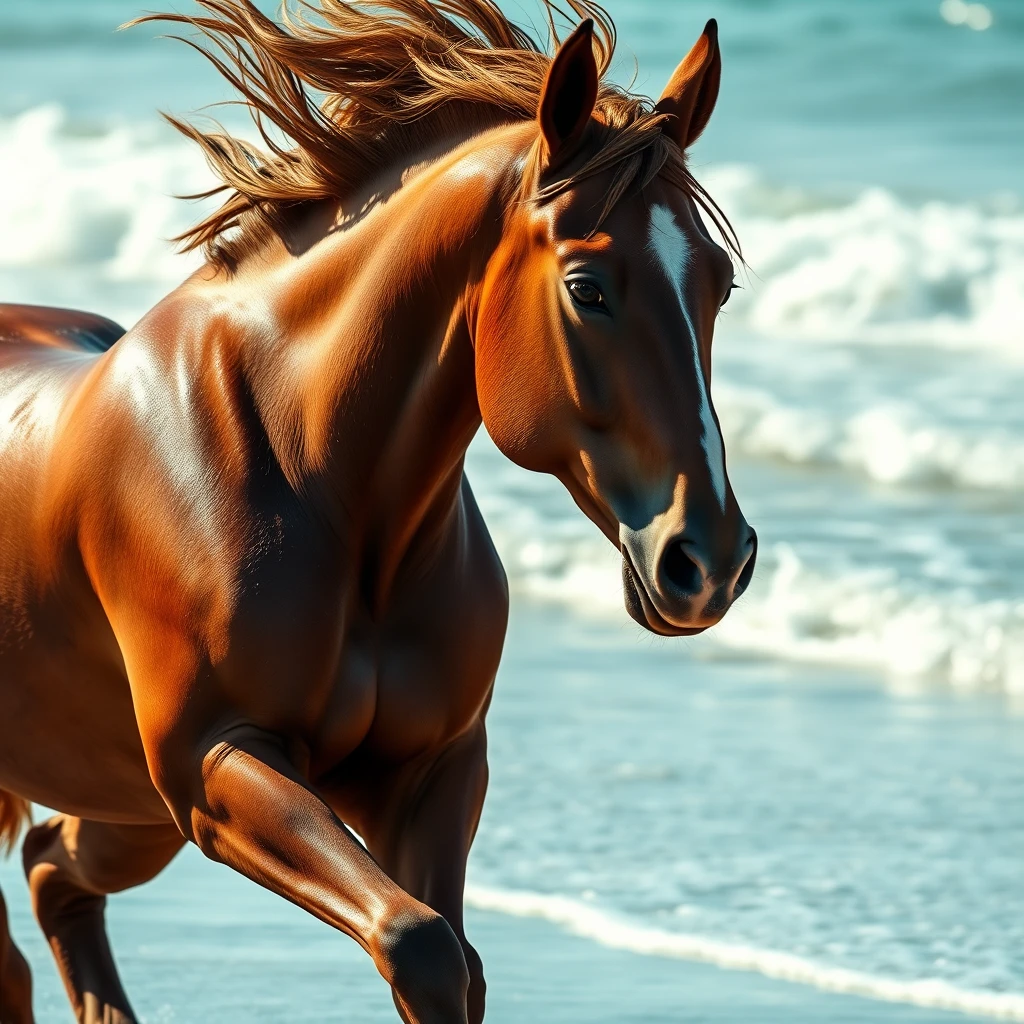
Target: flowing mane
357, 86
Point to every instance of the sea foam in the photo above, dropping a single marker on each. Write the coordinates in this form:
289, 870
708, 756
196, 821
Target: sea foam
869, 266
866, 616
889, 439
592, 922
88, 212
89, 209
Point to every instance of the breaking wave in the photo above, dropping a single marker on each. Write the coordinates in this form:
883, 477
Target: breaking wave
887, 439
872, 267
87, 212
867, 266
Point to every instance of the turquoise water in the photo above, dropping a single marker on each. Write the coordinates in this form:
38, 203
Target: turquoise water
827, 786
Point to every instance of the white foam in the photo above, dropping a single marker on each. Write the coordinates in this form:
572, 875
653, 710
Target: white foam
973, 15
867, 617
87, 213
867, 267
871, 267
592, 922
871, 616
889, 440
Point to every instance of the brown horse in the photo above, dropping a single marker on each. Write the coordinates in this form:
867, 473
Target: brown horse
246, 596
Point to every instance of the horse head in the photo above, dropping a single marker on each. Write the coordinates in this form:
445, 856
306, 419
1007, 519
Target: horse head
593, 336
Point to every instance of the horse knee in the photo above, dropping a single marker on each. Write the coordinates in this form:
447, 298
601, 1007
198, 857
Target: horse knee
59, 893
39, 841
426, 966
99, 859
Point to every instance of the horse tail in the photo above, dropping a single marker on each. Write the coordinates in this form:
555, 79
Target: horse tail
15, 814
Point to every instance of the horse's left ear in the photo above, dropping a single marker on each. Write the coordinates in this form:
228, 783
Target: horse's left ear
569, 93
692, 90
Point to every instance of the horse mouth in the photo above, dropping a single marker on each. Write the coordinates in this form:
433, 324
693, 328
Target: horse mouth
642, 609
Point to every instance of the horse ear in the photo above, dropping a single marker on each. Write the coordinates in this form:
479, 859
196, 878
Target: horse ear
569, 93
693, 88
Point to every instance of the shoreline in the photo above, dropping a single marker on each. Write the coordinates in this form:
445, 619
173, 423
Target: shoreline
585, 981
203, 943
935, 999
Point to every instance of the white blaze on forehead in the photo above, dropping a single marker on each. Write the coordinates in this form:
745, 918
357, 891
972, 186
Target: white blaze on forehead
667, 242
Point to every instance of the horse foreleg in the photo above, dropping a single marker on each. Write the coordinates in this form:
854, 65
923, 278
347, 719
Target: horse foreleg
247, 806
15, 978
424, 838
72, 865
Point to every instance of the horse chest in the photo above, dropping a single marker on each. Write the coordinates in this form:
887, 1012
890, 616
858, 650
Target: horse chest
423, 676
403, 696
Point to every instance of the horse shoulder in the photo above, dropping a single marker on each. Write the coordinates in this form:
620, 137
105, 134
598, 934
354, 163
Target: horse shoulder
160, 480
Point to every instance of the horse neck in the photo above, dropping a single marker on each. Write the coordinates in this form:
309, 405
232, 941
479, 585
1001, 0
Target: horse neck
368, 391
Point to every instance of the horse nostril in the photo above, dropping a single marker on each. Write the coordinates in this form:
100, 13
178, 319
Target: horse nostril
747, 572
680, 570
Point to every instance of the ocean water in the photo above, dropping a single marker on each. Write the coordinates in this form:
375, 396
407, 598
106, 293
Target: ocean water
827, 786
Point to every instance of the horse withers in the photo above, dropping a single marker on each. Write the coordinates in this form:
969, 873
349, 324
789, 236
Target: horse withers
246, 596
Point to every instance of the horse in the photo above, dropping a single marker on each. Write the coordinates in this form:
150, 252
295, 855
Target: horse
247, 598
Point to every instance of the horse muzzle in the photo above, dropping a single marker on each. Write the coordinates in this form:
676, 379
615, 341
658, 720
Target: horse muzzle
683, 585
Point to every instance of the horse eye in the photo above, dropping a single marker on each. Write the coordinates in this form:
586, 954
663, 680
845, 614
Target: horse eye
585, 293
728, 294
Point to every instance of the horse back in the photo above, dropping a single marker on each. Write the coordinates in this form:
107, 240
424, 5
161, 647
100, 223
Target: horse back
52, 327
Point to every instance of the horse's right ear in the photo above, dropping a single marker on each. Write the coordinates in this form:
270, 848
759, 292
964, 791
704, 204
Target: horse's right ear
569, 93
689, 98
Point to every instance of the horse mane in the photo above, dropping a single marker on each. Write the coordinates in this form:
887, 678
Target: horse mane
357, 85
